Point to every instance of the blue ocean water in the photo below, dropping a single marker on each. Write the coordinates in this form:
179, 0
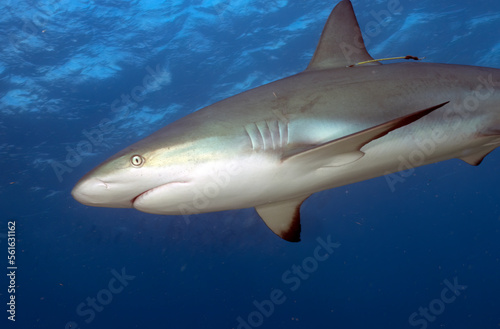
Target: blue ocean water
80, 80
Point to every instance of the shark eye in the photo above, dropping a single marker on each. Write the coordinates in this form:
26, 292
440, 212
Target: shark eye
136, 160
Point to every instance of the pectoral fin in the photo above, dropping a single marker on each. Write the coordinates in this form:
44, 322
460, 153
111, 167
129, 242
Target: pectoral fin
283, 218
346, 150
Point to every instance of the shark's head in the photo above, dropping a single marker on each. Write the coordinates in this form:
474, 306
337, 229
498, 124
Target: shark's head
162, 173
126, 178
114, 183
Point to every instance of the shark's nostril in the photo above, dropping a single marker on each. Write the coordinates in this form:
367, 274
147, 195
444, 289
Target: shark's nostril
106, 186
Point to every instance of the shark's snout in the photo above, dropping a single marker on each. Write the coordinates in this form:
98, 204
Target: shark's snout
95, 192
87, 191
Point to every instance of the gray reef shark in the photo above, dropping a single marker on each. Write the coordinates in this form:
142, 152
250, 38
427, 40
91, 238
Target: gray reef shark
345, 119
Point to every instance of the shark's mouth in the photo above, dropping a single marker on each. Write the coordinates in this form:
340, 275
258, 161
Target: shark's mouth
145, 193
137, 196
156, 198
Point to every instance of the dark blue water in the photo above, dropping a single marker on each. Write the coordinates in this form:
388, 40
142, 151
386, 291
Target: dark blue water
73, 91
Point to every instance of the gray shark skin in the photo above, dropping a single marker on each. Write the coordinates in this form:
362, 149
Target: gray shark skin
333, 124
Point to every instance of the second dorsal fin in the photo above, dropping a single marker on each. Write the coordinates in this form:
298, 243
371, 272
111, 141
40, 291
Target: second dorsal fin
341, 43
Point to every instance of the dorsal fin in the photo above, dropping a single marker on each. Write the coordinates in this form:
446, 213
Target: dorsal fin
341, 43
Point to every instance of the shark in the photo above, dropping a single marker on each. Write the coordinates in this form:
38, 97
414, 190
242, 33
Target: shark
346, 118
